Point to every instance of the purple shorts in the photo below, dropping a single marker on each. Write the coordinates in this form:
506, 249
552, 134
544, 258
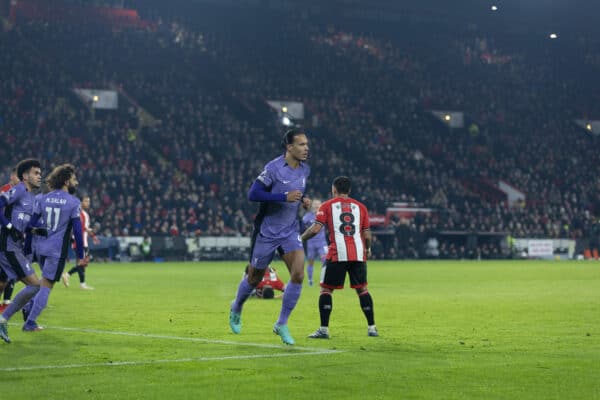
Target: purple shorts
52, 267
15, 265
316, 252
263, 249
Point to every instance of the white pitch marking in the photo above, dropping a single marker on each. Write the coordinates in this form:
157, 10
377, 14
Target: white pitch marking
180, 360
192, 339
306, 351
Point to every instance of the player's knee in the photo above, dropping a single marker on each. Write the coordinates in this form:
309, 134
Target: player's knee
253, 280
297, 277
362, 290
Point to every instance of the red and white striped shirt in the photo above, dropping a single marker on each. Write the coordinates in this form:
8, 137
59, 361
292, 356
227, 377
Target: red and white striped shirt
345, 219
85, 224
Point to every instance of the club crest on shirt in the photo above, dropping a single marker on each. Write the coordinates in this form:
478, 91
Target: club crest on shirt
23, 217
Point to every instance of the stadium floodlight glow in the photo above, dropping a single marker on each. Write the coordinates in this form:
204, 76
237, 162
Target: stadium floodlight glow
553, 36
447, 117
286, 121
284, 109
588, 127
494, 8
95, 98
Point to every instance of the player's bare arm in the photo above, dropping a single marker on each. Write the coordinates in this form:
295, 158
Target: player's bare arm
311, 231
368, 238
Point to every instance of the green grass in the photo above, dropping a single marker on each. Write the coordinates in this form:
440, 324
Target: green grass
449, 330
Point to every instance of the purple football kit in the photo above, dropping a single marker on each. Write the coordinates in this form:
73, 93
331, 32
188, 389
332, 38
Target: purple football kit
276, 226
316, 248
18, 210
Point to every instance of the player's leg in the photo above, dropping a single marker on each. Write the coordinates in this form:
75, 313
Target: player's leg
325, 308
17, 266
81, 272
261, 256
82, 283
65, 276
323, 258
310, 266
293, 256
358, 281
333, 275
52, 271
246, 286
8, 292
3, 285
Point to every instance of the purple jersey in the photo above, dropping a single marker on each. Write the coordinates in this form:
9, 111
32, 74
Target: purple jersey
41, 223
319, 240
280, 219
57, 210
18, 211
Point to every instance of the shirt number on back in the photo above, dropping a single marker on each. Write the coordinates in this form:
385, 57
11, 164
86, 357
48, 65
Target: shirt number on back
50, 212
347, 227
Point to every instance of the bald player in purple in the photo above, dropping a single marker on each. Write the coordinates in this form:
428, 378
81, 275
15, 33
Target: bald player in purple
280, 190
16, 209
60, 212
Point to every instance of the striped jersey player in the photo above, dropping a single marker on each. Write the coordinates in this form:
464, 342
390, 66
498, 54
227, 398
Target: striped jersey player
349, 236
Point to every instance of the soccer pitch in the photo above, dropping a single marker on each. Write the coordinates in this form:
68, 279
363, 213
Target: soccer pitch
449, 330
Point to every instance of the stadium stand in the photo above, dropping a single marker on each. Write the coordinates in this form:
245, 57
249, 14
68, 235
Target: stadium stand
367, 91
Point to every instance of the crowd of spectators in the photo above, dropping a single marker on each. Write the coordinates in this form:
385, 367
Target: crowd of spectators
367, 98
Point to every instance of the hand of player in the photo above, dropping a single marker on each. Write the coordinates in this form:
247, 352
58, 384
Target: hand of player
306, 202
15, 234
83, 262
40, 231
294, 195
369, 252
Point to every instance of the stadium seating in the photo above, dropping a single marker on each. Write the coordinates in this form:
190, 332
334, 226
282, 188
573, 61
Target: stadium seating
367, 98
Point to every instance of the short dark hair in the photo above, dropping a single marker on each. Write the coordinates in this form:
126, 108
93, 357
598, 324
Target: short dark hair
25, 165
288, 136
60, 176
268, 292
342, 184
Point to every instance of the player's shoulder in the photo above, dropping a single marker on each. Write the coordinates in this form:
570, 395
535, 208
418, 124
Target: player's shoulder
358, 203
276, 163
15, 191
73, 200
18, 188
328, 202
39, 198
326, 205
